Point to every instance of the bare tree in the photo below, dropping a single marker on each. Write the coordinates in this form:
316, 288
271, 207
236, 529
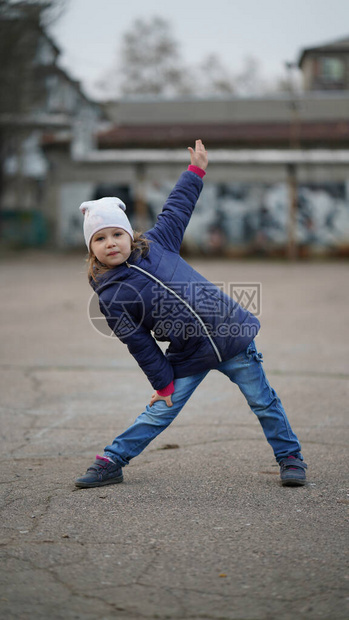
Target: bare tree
249, 79
21, 26
50, 10
150, 61
22, 84
212, 77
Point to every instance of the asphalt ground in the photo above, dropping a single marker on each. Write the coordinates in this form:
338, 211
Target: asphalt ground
201, 528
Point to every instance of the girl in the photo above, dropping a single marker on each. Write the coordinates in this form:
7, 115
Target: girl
147, 292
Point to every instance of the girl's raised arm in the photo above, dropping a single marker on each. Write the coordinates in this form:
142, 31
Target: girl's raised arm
174, 218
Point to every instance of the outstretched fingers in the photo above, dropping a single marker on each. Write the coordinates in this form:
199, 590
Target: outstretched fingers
199, 155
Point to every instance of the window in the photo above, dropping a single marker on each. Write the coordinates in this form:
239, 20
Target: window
332, 69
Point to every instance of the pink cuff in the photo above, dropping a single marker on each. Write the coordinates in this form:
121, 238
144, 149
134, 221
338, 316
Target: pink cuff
166, 391
199, 171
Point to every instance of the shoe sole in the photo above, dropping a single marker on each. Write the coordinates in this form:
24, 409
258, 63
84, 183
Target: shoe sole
293, 483
102, 483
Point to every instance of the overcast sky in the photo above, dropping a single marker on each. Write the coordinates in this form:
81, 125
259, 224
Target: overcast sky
274, 31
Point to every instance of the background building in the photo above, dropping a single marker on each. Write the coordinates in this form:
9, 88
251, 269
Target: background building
36, 98
326, 67
279, 165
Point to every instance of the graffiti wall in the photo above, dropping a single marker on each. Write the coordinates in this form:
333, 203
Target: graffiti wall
231, 217
254, 217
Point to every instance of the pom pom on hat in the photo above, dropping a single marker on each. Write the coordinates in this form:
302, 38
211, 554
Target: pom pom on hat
108, 212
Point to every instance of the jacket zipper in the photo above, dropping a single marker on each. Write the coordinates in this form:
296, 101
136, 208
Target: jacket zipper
214, 346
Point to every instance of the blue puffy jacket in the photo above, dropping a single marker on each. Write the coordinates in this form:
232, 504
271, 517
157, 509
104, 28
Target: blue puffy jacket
161, 297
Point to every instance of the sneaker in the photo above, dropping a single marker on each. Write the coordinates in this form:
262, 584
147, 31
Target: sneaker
100, 473
292, 472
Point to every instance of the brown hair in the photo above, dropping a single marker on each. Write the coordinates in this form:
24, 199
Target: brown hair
139, 247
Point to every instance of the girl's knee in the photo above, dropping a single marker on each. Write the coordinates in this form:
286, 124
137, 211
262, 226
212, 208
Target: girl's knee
158, 414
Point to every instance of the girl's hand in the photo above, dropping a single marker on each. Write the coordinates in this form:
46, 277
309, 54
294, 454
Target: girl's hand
199, 156
156, 397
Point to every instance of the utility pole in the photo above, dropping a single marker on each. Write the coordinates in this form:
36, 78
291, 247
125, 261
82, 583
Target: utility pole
292, 184
292, 252
141, 218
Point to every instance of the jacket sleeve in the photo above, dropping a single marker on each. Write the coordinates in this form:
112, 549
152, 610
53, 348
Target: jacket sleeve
141, 344
174, 218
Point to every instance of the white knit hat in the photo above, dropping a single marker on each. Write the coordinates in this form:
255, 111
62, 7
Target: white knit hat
104, 213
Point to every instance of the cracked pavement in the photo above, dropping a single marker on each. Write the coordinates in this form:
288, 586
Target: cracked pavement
201, 528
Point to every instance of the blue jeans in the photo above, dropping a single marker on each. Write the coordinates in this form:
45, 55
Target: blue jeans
246, 371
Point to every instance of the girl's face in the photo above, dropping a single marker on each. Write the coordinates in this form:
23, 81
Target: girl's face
111, 246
